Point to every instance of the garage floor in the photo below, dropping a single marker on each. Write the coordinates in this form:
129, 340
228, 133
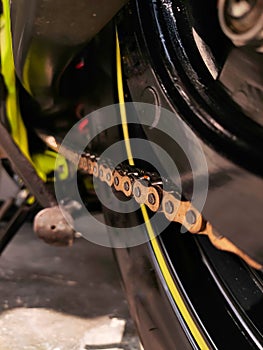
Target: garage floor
61, 298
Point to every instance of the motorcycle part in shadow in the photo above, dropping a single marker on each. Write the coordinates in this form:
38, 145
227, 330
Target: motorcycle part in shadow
242, 22
25, 169
56, 227
47, 34
19, 216
242, 75
5, 207
6, 164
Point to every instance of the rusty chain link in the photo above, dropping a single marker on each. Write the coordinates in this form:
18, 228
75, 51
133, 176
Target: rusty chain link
147, 189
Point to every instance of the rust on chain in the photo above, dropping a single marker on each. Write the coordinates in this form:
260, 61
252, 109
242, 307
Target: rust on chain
117, 180
223, 243
83, 162
126, 185
95, 168
154, 198
91, 162
142, 188
102, 172
109, 176
140, 191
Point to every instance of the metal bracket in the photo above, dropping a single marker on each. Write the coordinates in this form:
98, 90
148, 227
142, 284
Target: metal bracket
24, 168
55, 226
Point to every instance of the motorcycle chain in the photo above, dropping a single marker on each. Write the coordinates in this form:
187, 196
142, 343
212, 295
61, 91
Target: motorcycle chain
148, 189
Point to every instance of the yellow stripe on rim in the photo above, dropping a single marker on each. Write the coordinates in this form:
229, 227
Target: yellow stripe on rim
122, 103
155, 245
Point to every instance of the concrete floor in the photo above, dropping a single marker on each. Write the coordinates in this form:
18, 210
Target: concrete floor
61, 298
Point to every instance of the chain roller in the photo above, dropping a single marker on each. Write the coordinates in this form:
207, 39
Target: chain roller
147, 189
